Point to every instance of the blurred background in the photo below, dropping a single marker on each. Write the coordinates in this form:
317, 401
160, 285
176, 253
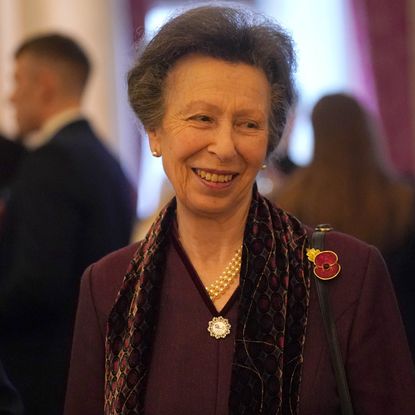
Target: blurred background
362, 47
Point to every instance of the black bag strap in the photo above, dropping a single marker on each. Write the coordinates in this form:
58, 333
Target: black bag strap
317, 242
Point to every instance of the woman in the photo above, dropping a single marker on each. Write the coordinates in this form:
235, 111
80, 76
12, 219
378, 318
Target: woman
216, 313
349, 185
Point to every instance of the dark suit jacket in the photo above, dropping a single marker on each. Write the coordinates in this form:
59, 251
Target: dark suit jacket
70, 205
11, 153
372, 339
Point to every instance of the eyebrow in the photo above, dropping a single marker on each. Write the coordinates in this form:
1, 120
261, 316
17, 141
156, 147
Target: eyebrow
212, 107
200, 103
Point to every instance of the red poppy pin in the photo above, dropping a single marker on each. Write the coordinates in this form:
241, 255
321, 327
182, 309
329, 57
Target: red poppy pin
326, 265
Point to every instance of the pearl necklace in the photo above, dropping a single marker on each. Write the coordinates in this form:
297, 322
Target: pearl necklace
228, 276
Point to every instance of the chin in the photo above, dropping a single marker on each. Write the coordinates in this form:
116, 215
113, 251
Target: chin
212, 207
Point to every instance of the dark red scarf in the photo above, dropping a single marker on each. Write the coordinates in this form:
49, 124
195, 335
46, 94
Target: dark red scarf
273, 305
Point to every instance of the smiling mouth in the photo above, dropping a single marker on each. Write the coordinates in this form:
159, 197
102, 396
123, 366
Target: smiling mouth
214, 177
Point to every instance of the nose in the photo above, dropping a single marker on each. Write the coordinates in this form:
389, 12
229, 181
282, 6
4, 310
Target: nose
223, 143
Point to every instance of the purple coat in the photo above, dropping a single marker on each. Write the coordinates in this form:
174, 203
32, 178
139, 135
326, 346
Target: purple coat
372, 339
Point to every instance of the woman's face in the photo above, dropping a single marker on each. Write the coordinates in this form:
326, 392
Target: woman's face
214, 134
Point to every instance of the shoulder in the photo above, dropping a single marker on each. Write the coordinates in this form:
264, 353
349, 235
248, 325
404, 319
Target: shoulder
362, 267
86, 151
80, 128
56, 154
79, 138
353, 250
115, 261
104, 278
76, 139
110, 270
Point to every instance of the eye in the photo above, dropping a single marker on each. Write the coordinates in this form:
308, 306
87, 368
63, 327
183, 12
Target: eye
251, 125
248, 125
202, 118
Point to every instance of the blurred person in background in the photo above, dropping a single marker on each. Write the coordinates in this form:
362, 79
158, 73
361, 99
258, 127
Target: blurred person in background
215, 311
11, 153
349, 185
279, 168
280, 165
70, 204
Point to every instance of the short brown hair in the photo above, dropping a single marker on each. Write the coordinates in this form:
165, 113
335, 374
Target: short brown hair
228, 33
59, 48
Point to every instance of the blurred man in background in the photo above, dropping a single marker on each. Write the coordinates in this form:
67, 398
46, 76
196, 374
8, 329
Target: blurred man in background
70, 205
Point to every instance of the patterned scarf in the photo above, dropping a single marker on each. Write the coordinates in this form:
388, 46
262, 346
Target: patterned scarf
272, 319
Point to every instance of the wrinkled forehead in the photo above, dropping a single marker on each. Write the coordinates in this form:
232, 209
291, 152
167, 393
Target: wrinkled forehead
208, 60
201, 75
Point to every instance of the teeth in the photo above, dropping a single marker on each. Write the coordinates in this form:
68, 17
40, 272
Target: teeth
215, 178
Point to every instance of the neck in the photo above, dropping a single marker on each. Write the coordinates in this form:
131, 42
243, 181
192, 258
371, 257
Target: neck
211, 242
211, 238
58, 107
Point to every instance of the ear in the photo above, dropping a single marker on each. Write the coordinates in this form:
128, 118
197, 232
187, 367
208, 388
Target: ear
154, 140
48, 82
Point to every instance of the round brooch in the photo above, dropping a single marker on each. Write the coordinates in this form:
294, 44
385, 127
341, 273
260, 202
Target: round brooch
219, 327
